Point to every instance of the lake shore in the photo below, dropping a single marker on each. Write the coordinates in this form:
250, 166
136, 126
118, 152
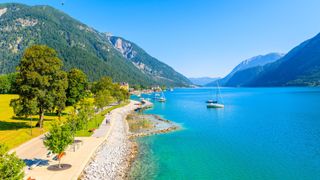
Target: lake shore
156, 125
114, 157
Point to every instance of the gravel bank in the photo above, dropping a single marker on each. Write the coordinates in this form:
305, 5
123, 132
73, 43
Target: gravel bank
113, 158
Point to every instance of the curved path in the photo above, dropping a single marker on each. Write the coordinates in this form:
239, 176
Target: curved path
80, 158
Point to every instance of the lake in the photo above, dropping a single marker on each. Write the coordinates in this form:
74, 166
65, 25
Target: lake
262, 133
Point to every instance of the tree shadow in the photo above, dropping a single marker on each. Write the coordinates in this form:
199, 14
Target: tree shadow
37, 162
54, 114
24, 118
28, 119
5, 125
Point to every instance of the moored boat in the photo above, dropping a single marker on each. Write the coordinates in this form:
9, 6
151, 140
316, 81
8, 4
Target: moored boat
211, 101
216, 103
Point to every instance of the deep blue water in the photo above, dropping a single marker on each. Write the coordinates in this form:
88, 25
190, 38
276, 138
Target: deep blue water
262, 133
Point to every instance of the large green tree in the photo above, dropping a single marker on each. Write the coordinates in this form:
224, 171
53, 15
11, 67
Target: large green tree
77, 86
79, 120
11, 167
105, 83
41, 80
59, 138
103, 98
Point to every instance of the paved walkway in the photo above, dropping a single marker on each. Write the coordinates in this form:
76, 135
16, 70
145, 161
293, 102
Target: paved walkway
104, 127
78, 159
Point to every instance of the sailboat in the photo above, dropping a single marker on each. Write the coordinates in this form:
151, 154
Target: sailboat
162, 97
216, 103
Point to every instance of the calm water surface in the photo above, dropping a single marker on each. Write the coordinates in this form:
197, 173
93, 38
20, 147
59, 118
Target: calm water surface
262, 133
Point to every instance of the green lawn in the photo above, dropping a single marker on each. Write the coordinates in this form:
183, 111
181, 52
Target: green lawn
96, 121
15, 131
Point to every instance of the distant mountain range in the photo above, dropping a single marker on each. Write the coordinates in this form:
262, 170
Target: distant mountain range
97, 54
233, 78
202, 81
299, 67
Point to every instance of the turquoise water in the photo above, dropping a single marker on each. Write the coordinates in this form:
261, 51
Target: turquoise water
262, 133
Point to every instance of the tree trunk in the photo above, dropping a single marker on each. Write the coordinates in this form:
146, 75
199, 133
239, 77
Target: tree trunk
41, 117
59, 165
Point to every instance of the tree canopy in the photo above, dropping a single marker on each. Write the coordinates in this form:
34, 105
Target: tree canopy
40, 80
59, 138
11, 167
7, 83
77, 86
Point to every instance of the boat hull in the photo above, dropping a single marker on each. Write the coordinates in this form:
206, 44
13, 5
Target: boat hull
215, 105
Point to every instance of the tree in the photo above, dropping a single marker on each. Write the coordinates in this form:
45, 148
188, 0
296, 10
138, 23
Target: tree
59, 138
120, 94
41, 79
7, 83
103, 98
80, 120
24, 107
105, 83
11, 167
85, 112
77, 86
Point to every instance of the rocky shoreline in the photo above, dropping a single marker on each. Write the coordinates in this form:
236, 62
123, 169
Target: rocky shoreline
114, 157
112, 160
159, 126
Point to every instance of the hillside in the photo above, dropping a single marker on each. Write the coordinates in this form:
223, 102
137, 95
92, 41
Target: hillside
146, 63
254, 64
300, 67
77, 45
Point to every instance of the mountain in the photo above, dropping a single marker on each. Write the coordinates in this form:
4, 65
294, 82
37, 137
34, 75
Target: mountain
146, 63
201, 81
300, 67
236, 79
77, 45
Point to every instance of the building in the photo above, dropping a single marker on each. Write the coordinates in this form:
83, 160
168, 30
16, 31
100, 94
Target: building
124, 85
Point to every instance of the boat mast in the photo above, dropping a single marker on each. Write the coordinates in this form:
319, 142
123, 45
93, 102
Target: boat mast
219, 92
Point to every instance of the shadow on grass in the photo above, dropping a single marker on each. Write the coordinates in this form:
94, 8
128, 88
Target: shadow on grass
55, 114
4, 125
29, 119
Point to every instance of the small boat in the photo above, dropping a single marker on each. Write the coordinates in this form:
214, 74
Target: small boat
211, 101
215, 103
162, 98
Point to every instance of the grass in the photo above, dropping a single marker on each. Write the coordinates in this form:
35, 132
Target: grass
15, 131
137, 122
97, 120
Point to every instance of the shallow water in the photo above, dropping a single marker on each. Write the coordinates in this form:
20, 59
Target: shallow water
262, 133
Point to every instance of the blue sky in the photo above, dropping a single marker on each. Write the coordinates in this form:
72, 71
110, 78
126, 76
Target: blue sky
200, 37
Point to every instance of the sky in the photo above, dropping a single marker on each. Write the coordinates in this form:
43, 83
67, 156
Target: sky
200, 37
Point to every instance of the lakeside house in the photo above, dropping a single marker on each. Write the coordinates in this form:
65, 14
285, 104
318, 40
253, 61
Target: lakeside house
124, 85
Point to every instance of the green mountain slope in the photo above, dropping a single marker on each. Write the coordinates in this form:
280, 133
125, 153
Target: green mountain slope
300, 67
77, 44
148, 64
